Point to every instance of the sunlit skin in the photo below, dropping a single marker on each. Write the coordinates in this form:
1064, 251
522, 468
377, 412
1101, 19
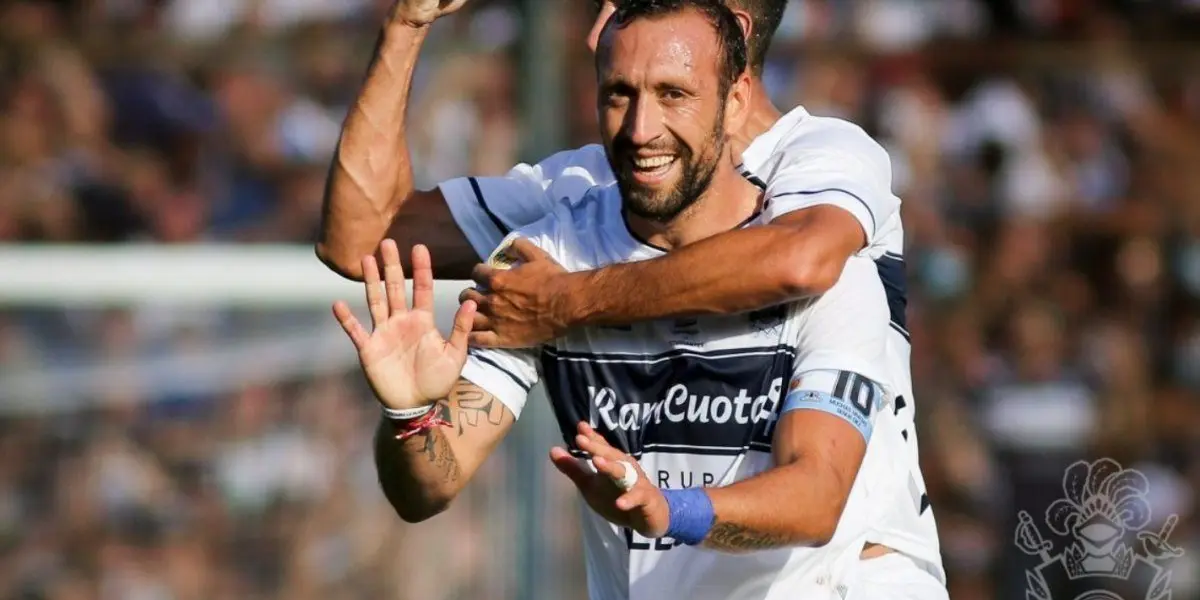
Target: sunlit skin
763, 114
663, 118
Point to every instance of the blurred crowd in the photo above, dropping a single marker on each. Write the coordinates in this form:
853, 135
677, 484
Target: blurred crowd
1046, 153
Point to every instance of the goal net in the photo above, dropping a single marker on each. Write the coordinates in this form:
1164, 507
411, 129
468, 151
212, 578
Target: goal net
190, 422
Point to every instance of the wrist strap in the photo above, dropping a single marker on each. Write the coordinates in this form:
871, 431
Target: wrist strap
692, 515
407, 429
407, 414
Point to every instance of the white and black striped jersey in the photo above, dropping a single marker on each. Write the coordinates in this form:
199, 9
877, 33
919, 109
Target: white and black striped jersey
696, 402
802, 161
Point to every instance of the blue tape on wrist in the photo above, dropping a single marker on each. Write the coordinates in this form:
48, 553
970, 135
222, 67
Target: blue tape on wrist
692, 515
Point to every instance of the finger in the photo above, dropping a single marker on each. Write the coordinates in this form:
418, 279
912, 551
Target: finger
598, 448
358, 334
459, 335
611, 468
483, 339
527, 251
470, 294
482, 322
422, 265
393, 277
484, 276
376, 303
635, 498
570, 466
586, 428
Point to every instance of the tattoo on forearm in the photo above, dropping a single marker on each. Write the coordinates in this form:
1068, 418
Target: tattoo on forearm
475, 404
436, 449
734, 537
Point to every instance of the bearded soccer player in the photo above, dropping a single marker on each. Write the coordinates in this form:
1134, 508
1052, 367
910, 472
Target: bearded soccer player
827, 198
829, 349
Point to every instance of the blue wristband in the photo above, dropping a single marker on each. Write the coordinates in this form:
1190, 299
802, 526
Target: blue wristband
692, 515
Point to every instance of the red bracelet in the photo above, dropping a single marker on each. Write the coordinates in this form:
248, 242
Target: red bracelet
425, 422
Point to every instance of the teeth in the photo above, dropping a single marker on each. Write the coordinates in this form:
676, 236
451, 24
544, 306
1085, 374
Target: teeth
653, 162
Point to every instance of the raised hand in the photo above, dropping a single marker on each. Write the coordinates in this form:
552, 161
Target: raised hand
419, 13
406, 361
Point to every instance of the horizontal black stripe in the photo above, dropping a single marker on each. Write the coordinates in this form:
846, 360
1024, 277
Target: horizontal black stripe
675, 353
902, 331
698, 451
874, 225
504, 229
491, 363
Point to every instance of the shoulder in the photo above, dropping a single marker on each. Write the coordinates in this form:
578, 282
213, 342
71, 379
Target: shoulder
565, 232
832, 141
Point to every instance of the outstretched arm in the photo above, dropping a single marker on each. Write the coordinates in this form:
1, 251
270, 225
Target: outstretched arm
799, 254
439, 427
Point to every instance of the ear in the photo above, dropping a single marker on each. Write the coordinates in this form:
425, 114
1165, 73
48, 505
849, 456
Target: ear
737, 103
744, 20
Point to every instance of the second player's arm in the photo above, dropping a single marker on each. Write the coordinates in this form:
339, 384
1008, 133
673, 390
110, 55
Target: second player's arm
370, 193
421, 475
797, 255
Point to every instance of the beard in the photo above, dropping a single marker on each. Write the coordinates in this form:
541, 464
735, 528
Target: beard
664, 204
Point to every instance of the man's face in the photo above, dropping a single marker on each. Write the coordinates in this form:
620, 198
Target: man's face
662, 111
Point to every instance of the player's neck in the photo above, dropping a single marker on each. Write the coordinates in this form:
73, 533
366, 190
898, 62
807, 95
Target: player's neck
727, 203
763, 116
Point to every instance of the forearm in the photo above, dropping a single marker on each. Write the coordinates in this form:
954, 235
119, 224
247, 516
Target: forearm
371, 173
420, 476
797, 256
750, 515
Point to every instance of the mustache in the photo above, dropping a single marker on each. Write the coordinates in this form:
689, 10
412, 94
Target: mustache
625, 145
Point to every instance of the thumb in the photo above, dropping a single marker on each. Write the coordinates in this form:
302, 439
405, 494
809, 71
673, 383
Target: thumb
570, 466
526, 251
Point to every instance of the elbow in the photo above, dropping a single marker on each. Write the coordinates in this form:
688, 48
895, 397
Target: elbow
819, 526
422, 506
341, 262
417, 512
819, 532
804, 276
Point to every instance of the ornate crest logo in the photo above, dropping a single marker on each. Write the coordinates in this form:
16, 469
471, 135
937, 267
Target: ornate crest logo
1105, 506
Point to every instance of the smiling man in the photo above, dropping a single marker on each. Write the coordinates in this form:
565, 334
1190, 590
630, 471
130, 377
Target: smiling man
826, 199
741, 456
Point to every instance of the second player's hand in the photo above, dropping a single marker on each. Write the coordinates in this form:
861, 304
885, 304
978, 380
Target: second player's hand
522, 306
406, 360
642, 508
419, 13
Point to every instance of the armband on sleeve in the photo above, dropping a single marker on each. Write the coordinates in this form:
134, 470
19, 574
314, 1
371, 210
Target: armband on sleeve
845, 394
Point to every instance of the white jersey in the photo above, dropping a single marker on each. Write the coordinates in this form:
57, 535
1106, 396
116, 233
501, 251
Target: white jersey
802, 161
696, 402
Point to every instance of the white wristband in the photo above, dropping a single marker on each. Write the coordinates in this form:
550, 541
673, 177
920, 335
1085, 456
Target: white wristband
407, 414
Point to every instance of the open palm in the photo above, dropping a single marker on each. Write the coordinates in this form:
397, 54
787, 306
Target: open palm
406, 360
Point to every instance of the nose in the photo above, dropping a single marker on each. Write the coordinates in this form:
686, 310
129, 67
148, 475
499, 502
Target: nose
606, 11
643, 122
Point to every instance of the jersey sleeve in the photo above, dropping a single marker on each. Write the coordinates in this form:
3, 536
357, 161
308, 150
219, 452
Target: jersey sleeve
840, 364
506, 374
487, 209
842, 167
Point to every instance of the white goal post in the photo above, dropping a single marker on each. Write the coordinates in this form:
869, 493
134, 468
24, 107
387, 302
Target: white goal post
177, 283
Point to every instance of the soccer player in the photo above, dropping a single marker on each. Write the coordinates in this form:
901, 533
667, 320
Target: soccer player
827, 198
699, 401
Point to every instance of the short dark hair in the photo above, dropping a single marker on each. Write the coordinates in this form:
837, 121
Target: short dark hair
765, 16
729, 32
